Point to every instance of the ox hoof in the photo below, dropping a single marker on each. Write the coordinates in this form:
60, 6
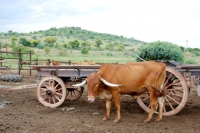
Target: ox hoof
116, 121
105, 119
158, 119
146, 121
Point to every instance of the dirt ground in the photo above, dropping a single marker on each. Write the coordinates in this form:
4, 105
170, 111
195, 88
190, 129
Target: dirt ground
20, 112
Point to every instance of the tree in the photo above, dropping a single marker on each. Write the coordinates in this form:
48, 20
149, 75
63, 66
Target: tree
74, 44
65, 45
182, 48
50, 40
84, 51
161, 51
110, 46
14, 39
47, 50
24, 42
98, 42
121, 47
85, 44
23, 50
35, 42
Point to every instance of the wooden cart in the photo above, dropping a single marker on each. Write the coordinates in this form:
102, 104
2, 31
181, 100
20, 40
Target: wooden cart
55, 85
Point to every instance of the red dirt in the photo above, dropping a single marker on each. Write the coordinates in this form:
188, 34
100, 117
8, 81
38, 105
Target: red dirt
23, 113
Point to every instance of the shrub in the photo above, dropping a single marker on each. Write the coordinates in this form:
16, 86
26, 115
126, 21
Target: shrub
121, 47
40, 46
109, 54
84, 51
47, 50
197, 53
161, 51
24, 42
110, 46
23, 50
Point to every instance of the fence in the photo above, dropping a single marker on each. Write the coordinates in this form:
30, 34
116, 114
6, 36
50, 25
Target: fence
20, 63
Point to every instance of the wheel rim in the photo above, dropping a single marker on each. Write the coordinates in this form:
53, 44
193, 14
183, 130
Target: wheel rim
73, 93
176, 96
51, 92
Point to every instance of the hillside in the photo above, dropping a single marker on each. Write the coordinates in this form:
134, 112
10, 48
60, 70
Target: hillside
66, 34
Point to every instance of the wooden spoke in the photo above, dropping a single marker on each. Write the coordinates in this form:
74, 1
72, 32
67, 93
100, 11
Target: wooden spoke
172, 99
57, 98
174, 94
169, 103
60, 94
44, 83
73, 93
53, 99
173, 83
145, 99
168, 79
56, 87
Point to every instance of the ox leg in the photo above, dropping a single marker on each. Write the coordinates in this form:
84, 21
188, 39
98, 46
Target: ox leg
108, 107
153, 103
161, 105
116, 97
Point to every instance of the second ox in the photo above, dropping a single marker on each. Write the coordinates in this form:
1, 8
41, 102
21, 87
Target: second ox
131, 78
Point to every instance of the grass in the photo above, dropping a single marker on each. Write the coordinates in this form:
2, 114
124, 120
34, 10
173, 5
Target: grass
74, 56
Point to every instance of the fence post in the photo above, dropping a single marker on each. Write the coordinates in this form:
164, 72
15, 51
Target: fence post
30, 62
19, 63
1, 60
49, 62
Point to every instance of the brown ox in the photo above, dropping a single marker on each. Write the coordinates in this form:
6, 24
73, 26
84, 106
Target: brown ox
132, 78
53, 63
86, 63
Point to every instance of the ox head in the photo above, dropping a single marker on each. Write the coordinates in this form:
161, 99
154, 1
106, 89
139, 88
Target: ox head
93, 82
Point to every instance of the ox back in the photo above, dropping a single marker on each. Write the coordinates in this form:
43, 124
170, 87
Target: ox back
136, 77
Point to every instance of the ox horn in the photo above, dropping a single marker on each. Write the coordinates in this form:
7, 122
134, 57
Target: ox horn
109, 84
80, 84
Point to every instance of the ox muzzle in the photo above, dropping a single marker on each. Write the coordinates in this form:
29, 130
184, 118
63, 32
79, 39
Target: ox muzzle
91, 99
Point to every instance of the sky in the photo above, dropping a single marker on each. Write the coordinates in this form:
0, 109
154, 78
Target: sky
176, 21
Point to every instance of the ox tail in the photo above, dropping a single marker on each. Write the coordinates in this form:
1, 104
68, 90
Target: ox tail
159, 93
160, 90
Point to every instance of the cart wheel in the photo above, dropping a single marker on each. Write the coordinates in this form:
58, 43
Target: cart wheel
51, 92
176, 96
73, 93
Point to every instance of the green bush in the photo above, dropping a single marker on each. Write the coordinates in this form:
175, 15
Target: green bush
84, 51
24, 42
40, 46
121, 47
197, 53
161, 51
109, 54
23, 50
47, 49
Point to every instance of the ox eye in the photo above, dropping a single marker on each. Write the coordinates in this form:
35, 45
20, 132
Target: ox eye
96, 85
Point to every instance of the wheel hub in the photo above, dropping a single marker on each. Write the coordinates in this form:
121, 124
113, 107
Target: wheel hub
49, 92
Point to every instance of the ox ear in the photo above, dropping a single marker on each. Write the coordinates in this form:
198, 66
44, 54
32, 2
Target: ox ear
109, 84
80, 84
